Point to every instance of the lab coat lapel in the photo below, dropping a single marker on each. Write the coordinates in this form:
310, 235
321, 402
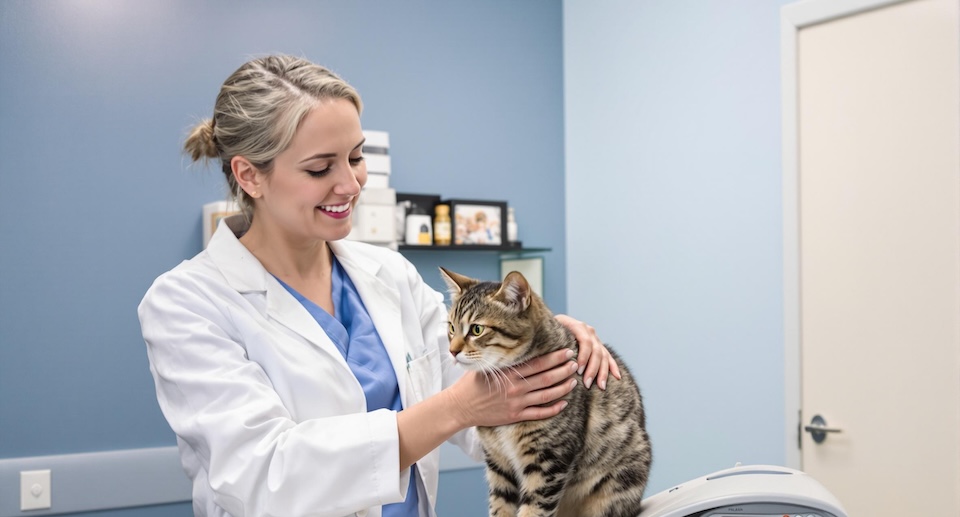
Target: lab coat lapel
288, 311
245, 274
382, 301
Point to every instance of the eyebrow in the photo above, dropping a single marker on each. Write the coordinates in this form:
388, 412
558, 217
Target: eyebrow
331, 155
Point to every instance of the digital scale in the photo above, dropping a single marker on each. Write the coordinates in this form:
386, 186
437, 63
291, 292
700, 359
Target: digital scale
746, 491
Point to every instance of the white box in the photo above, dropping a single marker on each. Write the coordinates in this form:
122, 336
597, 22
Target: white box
374, 217
374, 223
376, 152
377, 180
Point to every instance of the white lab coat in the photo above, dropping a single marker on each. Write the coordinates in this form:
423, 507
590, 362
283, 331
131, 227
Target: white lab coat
269, 419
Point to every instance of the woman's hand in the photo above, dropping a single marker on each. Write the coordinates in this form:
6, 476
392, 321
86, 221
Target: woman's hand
529, 391
594, 359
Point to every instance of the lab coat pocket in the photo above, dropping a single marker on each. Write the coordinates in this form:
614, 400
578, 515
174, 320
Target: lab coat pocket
425, 374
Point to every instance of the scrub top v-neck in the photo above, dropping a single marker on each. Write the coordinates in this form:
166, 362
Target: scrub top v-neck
352, 331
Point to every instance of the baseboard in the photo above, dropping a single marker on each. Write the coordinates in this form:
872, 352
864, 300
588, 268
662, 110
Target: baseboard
98, 480
123, 479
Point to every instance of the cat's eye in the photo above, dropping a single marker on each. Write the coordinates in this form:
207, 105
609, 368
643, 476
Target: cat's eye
476, 329
450, 329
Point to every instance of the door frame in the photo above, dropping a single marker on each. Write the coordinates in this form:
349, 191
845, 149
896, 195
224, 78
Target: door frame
793, 18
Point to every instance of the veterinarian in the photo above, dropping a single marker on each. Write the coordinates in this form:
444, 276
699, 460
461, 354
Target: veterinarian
304, 374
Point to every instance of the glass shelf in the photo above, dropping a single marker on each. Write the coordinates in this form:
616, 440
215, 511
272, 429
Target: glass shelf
473, 247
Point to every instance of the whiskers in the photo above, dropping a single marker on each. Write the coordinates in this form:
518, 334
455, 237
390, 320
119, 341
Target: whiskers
496, 376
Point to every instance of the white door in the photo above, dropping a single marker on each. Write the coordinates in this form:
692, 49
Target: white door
873, 291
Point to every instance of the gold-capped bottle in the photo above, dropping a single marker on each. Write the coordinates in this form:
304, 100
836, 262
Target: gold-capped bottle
442, 231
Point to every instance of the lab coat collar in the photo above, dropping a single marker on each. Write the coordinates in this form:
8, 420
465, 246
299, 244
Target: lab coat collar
240, 268
244, 273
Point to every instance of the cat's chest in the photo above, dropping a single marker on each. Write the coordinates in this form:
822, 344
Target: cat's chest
513, 442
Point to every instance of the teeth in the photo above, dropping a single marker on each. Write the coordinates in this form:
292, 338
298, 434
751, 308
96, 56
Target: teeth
336, 209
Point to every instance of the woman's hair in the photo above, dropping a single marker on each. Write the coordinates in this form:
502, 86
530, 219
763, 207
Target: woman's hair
258, 110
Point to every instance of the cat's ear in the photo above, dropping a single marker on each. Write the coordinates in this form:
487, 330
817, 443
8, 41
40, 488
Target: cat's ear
456, 283
515, 291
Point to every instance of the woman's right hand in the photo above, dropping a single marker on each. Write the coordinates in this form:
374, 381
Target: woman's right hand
530, 391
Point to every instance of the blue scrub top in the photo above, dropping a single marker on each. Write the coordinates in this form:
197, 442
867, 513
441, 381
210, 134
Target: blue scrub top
354, 335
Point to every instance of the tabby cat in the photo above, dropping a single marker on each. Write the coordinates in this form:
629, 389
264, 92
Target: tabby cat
591, 460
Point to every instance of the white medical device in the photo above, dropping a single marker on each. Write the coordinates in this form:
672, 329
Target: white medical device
752, 490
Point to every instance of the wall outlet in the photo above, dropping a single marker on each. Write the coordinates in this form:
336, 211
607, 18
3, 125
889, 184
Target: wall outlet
34, 490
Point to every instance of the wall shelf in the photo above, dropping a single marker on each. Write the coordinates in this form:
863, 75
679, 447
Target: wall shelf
503, 250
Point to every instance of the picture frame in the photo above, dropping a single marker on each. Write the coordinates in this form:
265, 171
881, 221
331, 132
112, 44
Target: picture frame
478, 222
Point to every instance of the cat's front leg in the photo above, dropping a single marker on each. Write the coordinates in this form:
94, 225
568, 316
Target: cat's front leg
542, 502
542, 486
504, 494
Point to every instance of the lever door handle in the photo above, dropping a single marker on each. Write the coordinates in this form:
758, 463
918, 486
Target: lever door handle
818, 429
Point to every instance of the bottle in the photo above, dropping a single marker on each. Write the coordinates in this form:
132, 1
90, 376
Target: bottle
401, 218
419, 228
441, 225
511, 226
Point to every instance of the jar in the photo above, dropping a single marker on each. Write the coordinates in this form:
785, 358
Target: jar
442, 231
419, 229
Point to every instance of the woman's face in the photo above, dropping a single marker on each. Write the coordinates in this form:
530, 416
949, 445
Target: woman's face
315, 182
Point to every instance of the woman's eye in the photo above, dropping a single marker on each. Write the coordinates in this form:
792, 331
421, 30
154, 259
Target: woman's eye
320, 173
476, 330
450, 328
356, 161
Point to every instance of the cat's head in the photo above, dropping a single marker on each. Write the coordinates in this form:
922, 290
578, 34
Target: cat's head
492, 324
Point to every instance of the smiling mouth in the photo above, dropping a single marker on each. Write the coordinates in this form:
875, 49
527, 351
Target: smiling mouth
335, 209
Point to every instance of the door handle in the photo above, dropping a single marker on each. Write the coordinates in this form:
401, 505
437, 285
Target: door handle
818, 429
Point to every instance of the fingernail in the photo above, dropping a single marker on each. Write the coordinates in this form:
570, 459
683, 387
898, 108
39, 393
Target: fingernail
573, 366
563, 404
573, 384
569, 353
582, 368
587, 382
603, 385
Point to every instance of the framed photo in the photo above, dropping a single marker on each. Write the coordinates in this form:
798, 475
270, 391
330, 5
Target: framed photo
478, 223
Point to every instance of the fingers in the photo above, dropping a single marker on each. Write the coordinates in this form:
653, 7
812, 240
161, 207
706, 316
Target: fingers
594, 359
586, 337
541, 383
541, 412
538, 403
597, 368
544, 363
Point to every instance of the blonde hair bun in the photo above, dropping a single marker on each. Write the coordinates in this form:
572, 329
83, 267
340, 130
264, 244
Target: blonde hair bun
199, 144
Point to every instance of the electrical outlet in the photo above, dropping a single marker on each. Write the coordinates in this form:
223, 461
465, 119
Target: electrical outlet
34, 490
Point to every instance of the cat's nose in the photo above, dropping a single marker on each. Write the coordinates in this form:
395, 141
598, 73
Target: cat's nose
454, 353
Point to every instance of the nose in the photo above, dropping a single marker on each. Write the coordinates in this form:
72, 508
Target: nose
456, 345
352, 181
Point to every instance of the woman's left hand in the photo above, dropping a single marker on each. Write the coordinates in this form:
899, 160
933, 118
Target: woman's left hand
594, 359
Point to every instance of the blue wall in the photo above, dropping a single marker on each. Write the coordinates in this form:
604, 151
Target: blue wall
671, 221
674, 217
96, 199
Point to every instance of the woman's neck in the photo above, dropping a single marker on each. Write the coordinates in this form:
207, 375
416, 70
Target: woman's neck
293, 261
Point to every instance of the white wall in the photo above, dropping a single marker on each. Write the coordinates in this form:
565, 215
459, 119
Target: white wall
674, 217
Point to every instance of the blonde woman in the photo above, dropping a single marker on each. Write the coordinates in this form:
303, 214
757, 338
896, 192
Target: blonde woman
304, 374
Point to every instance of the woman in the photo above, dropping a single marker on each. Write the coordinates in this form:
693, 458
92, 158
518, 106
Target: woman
304, 374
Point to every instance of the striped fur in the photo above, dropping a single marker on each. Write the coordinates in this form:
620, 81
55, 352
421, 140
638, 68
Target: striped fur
591, 460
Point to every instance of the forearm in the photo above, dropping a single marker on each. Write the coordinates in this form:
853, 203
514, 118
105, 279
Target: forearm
424, 426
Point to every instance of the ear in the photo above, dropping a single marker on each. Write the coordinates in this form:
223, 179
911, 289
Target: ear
456, 283
515, 291
247, 176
